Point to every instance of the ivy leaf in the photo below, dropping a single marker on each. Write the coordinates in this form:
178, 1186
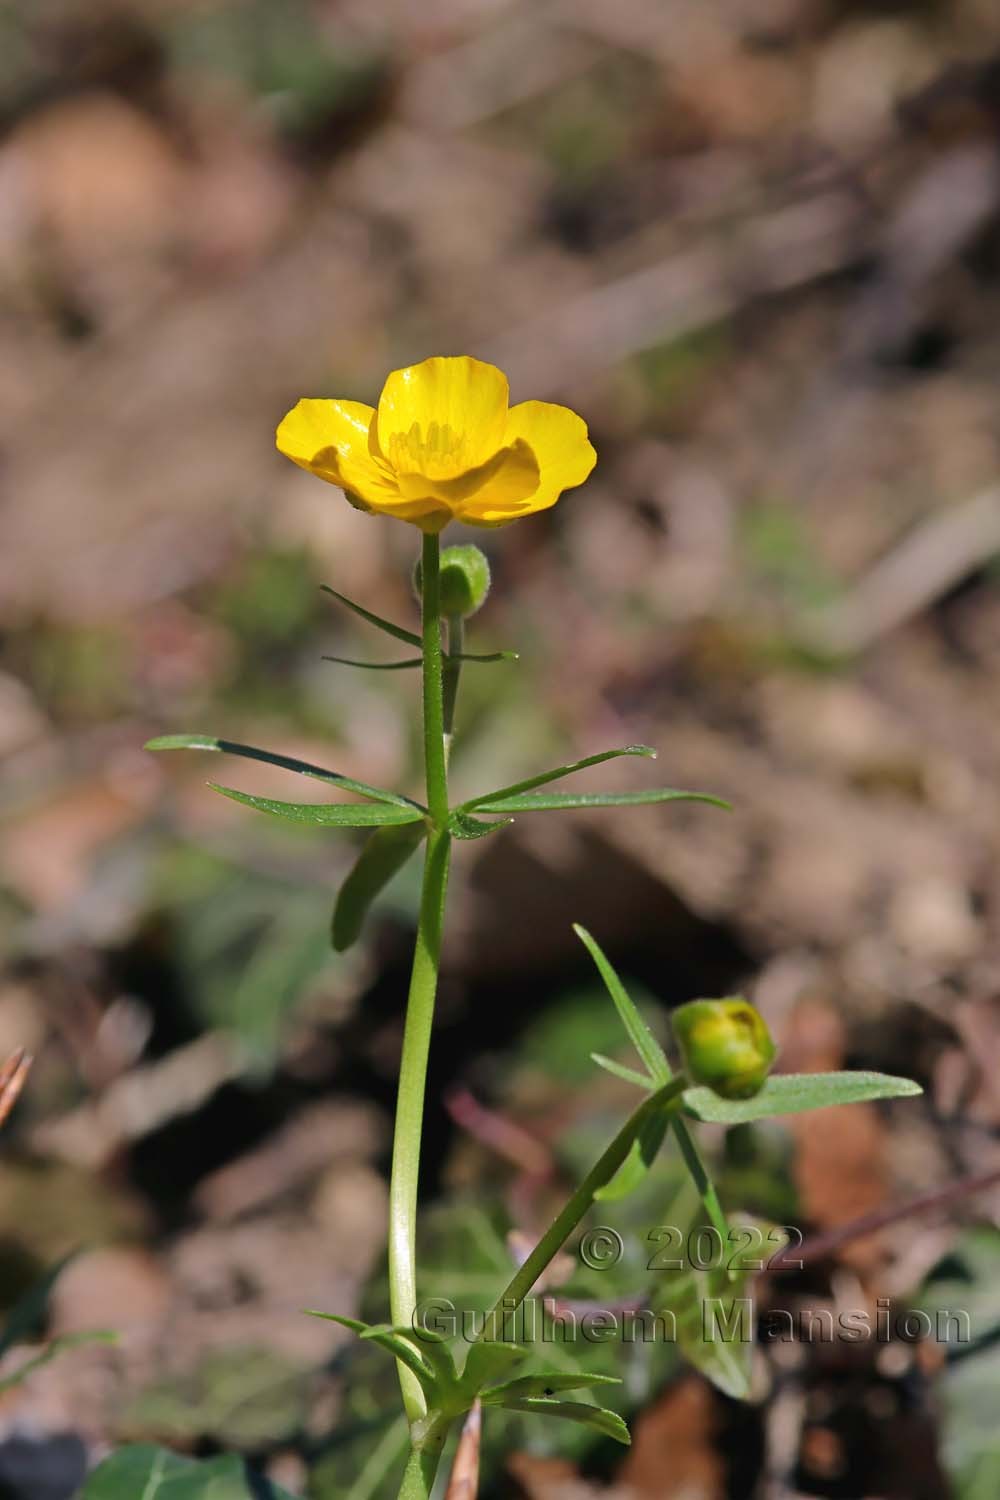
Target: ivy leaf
384, 854
792, 1093
286, 763
325, 814
397, 631
608, 1423
143, 1472
549, 801
555, 775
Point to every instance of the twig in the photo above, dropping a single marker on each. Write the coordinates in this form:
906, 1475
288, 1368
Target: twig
928, 562
820, 1246
464, 1481
501, 1134
12, 1076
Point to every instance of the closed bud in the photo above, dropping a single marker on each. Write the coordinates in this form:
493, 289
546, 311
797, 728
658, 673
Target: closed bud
725, 1045
465, 580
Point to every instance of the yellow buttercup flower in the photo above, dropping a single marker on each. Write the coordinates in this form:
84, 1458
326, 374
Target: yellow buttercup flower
442, 445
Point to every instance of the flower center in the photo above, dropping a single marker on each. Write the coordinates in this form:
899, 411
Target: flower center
437, 450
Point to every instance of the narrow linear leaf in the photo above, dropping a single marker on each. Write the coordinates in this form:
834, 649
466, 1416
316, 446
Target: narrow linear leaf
377, 666
488, 1359
635, 1167
383, 856
25, 1317
53, 1349
463, 826
655, 1059
639, 1034
386, 1339
285, 762
628, 1075
791, 1093
549, 801
560, 771
608, 1423
714, 1324
432, 1347
397, 631
545, 1384
700, 1177
482, 657
325, 814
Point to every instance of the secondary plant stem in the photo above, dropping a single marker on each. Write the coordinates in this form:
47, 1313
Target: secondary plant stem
405, 1175
565, 1222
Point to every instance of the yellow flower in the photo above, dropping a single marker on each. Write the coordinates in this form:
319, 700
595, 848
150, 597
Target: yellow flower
443, 445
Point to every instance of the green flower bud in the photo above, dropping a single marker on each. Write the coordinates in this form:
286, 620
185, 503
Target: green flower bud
465, 580
725, 1045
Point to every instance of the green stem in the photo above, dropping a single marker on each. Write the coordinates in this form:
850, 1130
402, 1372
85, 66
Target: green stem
404, 1180
435, 759
564, 1223
452, 672
425, 1456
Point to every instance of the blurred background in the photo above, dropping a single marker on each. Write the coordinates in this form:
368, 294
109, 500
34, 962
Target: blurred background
757, 244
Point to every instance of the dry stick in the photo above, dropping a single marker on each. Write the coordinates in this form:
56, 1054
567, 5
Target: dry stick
12, 1076
464, 1481
823, 1245
500, 1134
928, 562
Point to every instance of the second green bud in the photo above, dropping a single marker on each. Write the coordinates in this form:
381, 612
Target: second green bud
725, 1045
465, 580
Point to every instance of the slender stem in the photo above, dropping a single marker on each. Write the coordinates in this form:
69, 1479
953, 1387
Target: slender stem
452, 672
404, 1181
699, 1173
434, 723
564, 1223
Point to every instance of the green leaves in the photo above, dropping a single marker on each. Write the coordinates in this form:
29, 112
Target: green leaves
383, 856
639, 1034
550, 801
326, 814
598, 1418
449, 1394
143, 1472
535, 1393
396, 631
464, 826
560, 771
791, 1093
520, 796
286, 762
544, 1383
427, 1357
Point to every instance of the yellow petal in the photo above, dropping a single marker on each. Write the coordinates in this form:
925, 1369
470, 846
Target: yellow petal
503, 480
558, 439
442, 417
330, 439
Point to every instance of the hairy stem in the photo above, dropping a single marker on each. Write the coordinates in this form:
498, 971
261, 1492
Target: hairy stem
404, 1181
